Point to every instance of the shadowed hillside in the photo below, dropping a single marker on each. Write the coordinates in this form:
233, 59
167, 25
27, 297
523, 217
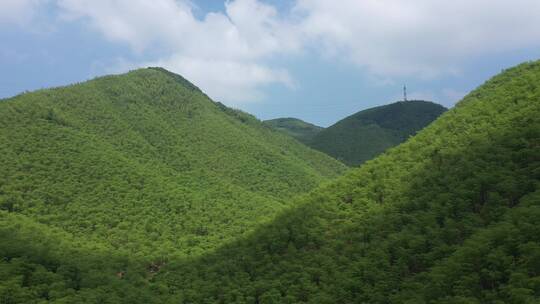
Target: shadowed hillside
368, 133
450, 216
299, 129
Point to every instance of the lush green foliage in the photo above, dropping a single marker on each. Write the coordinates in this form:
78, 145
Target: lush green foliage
450, 216
146, 161
366, 134
42, 263
299, 129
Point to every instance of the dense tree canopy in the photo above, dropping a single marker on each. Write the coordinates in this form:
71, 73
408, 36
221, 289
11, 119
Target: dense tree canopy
450, 216
145, 161
297, 128
368, 133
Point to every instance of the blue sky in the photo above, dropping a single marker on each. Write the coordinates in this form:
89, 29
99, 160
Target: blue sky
317, 60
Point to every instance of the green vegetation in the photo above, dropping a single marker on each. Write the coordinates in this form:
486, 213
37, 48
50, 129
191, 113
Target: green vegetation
450, 216
146, 162
299, 129
366, 134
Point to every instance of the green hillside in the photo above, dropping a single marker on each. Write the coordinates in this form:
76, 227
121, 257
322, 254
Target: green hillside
147, 163
450, 216
366, 134
297, 128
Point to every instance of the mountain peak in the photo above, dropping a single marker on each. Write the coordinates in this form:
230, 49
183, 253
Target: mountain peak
297, 128
149, 71
365, 134
177, 77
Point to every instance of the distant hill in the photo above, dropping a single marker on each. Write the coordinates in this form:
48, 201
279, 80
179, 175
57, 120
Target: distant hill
145, 160
366, 134
449, 216
297, 128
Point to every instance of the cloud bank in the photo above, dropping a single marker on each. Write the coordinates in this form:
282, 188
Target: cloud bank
18, 12
230, 54
224, 53
423, 38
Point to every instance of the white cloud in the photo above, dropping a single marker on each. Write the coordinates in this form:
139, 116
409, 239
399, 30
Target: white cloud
229, 54
224, 53
422, 38
18, 12
226, 80
139, 23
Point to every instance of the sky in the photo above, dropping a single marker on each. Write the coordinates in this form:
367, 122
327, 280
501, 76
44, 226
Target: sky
317, 60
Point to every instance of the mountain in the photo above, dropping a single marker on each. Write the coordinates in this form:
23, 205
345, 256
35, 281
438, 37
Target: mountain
449, 216
366, 134
148, 163
297, 128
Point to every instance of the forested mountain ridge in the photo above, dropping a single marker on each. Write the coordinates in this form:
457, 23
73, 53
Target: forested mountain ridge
145, 161
297, 128
366, 134
450, 216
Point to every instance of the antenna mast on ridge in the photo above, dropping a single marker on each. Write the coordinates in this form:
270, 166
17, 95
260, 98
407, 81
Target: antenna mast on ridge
404, 93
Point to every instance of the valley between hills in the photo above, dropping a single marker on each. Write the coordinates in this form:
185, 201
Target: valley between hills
138, 188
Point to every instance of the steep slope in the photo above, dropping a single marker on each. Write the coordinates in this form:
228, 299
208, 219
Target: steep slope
450, 216
366, 134
297, 128
146, 162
